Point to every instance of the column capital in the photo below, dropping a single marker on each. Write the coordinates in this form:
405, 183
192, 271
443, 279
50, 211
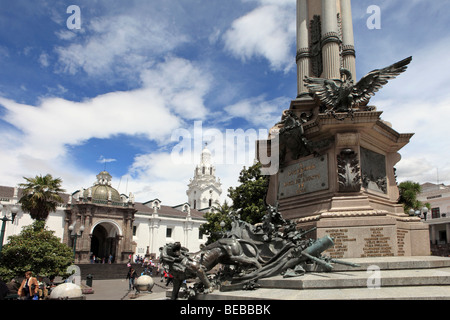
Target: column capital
303, 53
330, 37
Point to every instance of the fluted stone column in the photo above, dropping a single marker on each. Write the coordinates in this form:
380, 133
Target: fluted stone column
348, 42
303, 55
330, 40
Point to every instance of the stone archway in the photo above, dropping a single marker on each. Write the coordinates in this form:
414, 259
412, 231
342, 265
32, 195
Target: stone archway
105, 238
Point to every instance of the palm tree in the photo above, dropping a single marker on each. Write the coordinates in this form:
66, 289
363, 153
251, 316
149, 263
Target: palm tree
41, 196
409, 191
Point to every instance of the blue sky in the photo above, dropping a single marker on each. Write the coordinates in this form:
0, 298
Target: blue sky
115, 93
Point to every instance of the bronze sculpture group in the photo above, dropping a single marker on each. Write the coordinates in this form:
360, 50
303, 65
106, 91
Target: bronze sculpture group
245, 254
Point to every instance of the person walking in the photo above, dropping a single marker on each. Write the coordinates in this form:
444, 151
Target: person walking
29, 287
131, 276
169, 278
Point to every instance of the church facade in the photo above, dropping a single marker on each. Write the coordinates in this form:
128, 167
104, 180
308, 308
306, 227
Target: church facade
99, 223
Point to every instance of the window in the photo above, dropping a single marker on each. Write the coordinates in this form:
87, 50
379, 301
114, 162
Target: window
210, 202
195, 204
169, 233
200, 234
134, 230
435, 213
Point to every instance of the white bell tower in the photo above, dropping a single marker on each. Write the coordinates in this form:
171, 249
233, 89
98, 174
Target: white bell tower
204, 189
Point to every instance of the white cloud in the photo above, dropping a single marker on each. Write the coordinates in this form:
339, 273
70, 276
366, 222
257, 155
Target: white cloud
102, 159
43, 60
117, 43
268, 31
259, 111
155, 175
418, 102
41, 134
182, 84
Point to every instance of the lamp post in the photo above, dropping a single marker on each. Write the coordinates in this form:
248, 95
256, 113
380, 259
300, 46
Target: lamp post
425, 212
75, 235
14, 210
222, 225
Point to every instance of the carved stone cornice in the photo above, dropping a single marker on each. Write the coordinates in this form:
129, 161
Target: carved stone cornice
356, 213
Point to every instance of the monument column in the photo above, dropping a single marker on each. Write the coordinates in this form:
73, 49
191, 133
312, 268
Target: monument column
330, 40
303, 54
348, 42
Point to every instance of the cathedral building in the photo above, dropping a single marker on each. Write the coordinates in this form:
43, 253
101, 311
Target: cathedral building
99, 222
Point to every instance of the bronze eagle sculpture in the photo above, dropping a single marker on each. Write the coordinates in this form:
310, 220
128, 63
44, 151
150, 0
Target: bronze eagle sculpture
342, 95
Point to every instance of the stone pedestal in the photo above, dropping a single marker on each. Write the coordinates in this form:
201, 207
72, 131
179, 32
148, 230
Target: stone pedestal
345, 185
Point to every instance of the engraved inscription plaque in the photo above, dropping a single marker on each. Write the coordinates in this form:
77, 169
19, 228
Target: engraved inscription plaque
304, 177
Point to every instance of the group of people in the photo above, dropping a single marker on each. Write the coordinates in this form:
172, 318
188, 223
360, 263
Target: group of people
31, 288
103, 260
150, 268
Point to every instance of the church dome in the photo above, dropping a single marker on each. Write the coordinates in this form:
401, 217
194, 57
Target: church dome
102, 189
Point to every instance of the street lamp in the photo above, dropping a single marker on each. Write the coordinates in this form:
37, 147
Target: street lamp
14, 210
222, 225
74, 235
425, 212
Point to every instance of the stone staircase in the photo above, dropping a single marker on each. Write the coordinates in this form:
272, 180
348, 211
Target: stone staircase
387, 278
107, 271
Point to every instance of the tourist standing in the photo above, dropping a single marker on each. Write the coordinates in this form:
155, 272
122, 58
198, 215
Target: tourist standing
131, 276
29, 287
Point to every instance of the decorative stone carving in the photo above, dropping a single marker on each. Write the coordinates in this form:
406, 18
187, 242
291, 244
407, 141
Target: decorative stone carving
348, 171
293, 139
316, 46
373, 170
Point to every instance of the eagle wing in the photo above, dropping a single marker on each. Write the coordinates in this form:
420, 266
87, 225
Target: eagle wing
326, 90
376, 79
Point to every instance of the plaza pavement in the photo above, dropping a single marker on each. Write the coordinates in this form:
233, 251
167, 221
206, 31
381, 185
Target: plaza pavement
117, 289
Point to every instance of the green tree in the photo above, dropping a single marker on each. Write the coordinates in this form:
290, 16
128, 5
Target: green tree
409, 191
212, 228
41, 196
37, 249
250, 195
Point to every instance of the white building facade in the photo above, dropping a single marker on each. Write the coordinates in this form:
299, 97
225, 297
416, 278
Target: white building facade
112, 224
438, 218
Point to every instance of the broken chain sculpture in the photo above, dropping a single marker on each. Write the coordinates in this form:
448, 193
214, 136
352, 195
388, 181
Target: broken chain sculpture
247, 253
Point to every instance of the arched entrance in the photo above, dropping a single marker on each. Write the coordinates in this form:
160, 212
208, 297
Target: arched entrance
104, 241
